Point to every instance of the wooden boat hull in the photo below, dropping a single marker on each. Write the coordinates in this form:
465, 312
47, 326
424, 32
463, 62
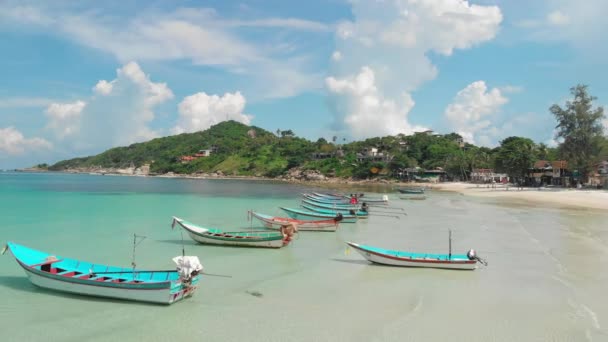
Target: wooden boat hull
243, 239
403, 259
273, 222
73, 276
311, 215
159, 296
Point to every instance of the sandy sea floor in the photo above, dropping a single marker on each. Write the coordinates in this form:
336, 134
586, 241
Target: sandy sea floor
545, 280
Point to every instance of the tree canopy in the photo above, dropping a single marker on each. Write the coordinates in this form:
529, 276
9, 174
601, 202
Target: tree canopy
580, 127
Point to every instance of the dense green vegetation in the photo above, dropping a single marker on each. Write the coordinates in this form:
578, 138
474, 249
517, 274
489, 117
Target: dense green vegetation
251, 151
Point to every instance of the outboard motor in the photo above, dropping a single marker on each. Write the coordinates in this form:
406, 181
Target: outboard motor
188, 267
472, 255
339, 217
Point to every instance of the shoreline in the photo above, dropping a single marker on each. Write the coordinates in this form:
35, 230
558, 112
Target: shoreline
558, 197
317, 180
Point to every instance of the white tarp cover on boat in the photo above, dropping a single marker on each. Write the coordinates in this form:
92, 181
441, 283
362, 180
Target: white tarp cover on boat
186, 265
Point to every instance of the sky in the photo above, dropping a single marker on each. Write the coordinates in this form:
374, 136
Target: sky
81, 77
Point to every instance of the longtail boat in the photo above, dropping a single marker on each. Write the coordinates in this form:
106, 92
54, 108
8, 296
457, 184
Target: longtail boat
407, 259
332, 205
344, 204
214, 236
85, 278
274, 222
415, 197
335, 211
360, 198
411, 191
312, 215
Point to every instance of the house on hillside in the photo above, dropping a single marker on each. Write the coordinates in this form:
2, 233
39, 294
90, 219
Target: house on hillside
372, 154
203, 153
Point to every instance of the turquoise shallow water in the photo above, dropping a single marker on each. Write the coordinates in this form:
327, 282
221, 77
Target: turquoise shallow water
545, 281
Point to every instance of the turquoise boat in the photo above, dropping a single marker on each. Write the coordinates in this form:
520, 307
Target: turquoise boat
85, 278
313, 215
408, 259
358, 214
345, 199
344, 204
335, 211
331, 205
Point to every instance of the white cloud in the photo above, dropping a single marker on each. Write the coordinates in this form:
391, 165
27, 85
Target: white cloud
290, 23
24, 102
65, 117
557, 18
120, 116
200, 111
394, 38
198, 35
13, 142
103, 87
336, 56
368, 113
581, 26
470, 114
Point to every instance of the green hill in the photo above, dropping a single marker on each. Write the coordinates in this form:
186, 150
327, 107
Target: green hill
242, 150
238, 149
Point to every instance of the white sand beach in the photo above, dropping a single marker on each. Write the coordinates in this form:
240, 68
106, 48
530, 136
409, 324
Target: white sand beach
574, 198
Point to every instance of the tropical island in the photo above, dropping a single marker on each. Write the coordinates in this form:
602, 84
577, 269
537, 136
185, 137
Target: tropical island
232, 149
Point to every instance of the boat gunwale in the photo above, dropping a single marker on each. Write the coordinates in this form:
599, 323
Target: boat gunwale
143, 285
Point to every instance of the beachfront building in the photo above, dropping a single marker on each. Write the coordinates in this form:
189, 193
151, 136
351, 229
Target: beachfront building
599, 175
488, 176
549, 173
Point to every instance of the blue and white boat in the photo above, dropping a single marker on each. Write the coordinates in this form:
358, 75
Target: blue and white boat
69, 275
408, 259
311, 215
335, 211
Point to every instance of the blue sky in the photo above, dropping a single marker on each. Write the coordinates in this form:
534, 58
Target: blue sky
81, 77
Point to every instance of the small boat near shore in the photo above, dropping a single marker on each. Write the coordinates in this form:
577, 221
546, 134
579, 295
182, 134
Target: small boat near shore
337, 203
335, 211
312, 215
408, 259
85, 278
274, 222
345, 199
415, 197
214, 236
345, 208
411, 191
